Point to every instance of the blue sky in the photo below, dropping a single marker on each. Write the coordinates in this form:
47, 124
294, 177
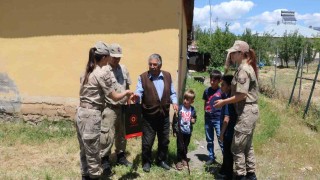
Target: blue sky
254, 14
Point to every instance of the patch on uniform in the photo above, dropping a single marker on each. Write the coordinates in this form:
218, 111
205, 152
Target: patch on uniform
242, 80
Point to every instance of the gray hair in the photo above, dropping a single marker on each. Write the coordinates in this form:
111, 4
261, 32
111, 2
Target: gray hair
155, 56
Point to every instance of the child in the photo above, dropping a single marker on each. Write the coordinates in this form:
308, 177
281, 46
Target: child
182, 127
212, 115
228, 121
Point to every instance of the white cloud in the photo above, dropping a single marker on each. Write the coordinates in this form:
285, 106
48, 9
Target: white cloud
264, 19
235, 27
234, 12
221, 13
309, 19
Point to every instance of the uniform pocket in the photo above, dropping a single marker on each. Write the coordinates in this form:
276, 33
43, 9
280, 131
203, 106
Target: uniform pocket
108, 118
255, 109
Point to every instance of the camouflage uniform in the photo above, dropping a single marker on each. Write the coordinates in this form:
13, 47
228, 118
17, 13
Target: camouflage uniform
112, 115
88, 120
245, 81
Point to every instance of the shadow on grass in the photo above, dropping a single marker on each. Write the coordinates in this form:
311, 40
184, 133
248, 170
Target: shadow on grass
202, 157
132, 174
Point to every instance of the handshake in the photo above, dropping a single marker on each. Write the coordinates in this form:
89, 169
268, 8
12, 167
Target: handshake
132, 97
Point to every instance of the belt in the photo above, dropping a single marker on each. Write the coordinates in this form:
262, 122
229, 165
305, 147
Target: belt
112, 106
251, 102
90, 106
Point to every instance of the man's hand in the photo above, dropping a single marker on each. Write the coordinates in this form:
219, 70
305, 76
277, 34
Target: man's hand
175, 107
221, 138
134, 98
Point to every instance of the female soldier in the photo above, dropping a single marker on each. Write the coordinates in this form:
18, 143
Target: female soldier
245, 95
95, 84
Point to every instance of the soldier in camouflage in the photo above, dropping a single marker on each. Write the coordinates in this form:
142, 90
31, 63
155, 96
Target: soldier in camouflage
244, 94
112, 127
95, 84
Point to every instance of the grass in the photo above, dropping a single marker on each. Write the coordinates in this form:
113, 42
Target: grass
30, 134
268, 125
285, 147
283, 87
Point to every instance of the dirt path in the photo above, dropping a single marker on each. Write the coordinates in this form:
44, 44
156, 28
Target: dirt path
199, 156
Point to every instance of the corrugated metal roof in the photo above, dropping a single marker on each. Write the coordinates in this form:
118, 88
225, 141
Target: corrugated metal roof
279, 30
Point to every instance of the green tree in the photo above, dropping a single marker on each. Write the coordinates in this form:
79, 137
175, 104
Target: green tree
215, 44
316, 46
297, 44
312, 47
285, 51
262, 44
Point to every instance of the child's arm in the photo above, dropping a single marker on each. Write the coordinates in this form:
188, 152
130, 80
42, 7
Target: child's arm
225, 122
204, 98
224, 127
194, 117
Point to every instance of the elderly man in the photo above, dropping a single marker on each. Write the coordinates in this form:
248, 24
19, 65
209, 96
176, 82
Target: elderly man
112, 115
156, 91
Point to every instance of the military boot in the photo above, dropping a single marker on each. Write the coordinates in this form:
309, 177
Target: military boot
86, 178
106, 166
251, 176
240, 177
122, 160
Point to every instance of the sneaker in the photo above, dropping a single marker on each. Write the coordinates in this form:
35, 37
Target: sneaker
210, 162
122, 160
251, 176
179, 166
185, 163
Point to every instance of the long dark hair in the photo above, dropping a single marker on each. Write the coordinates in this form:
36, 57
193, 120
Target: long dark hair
92, 62
252, 60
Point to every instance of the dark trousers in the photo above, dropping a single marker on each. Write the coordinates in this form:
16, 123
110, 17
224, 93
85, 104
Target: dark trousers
227, 165
151, 128
183, 141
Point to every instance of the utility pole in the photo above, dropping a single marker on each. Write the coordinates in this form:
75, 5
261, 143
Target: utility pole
210, 15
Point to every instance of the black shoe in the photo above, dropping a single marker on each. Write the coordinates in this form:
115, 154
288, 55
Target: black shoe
240, 177
164, 165
122, 160
106, 166
146, 167
251, 176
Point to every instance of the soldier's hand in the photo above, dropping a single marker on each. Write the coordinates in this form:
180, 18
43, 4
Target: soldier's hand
218, 103
129, 93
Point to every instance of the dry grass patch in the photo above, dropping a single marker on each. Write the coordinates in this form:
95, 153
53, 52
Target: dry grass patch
293, 152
